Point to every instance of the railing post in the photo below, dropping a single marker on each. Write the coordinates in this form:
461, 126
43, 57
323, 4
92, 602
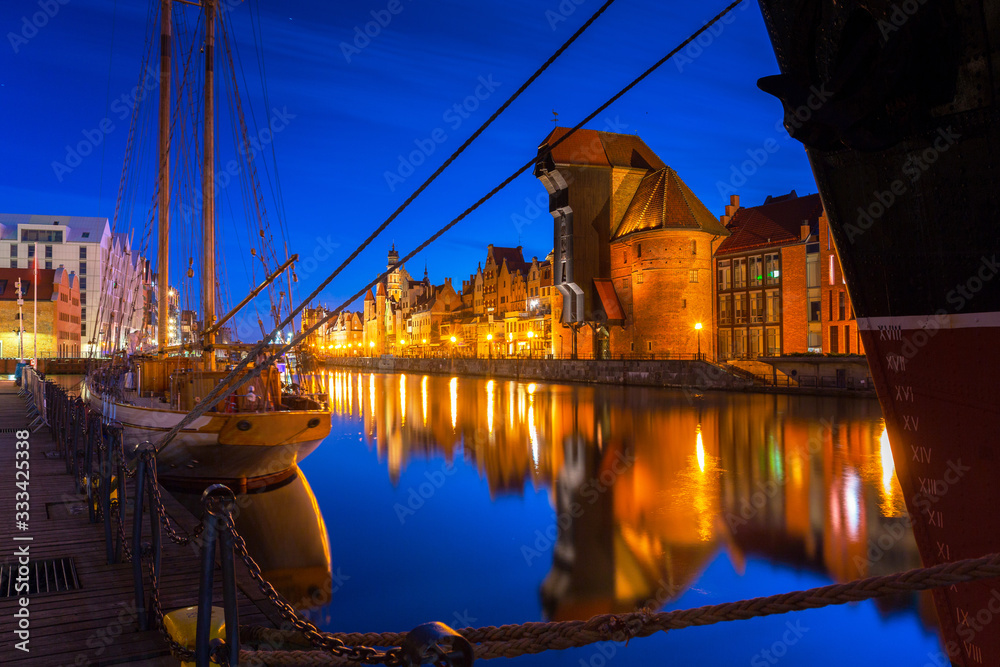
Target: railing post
88, 468
140, 595
219, 502
105, 491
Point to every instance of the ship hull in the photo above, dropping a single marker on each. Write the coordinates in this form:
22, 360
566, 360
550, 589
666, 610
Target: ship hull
896, 105
246, 449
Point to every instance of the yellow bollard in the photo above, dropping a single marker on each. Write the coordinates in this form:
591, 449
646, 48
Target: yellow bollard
182, 625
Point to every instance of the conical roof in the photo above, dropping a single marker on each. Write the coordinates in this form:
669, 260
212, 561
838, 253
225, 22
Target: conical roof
664, 201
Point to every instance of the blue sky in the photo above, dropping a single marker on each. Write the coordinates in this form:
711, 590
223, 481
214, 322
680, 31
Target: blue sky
354, 113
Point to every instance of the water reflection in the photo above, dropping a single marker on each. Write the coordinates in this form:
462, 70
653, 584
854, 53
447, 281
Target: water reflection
648, 487
285, 534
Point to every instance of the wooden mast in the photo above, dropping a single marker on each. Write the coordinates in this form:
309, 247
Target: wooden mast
163, 255
208, 194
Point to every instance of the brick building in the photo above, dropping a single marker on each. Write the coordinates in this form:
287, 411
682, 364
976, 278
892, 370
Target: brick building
633, 249
763, 302
58, 330
779, 287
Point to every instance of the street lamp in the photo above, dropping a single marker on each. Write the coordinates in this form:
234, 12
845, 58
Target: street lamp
489, 344
531, 336
697, 327
453, 341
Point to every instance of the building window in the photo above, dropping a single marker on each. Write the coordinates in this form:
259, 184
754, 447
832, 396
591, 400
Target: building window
829, 304
841, 306
638, 250
741, 309
815, 341
725, 309
624, 283
625, 256
83, 268
847, 339
31, 251
739, 273
48, 252
814, 310
812, 271
756, 307
638, 278
756, 271
13, 263
834, 343
13, 250
693, 276
694, 247
739, 343
772, 269
725, 275
42, 235
684, 303
773, 306
754, 350
83, 285
832, 274
83, 252
724, 351
649, 346
48, 264
772, 341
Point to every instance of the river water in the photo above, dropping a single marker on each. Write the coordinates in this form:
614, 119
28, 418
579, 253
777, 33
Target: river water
477, 502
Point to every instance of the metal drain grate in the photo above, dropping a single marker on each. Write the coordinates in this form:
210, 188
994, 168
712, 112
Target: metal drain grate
51, 575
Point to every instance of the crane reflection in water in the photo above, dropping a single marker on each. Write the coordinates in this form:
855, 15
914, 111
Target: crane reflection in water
649, 486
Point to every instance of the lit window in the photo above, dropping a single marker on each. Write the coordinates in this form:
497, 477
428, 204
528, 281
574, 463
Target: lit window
693, 276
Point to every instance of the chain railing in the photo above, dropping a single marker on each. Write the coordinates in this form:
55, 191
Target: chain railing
94, 449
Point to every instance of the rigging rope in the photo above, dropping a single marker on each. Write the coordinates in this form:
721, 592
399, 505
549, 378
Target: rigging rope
511, 641
232, 382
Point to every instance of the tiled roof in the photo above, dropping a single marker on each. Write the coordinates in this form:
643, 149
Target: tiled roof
772, 224
514, 258
8, 281
664, 201
601, 148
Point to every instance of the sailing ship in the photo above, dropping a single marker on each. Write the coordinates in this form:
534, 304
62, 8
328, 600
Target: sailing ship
248, 440
896, 104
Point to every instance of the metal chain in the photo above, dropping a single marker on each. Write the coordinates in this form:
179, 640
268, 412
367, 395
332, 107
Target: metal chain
165, 520
126, 549
363, 654
179, 651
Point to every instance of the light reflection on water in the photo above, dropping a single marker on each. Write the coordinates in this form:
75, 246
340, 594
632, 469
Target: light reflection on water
641, 492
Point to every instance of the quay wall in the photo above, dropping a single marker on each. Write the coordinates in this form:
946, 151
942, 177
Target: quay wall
644, 373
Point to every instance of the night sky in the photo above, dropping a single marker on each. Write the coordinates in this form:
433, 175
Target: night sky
351, 110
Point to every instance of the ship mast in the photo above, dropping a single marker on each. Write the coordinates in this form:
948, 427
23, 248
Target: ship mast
163, 258
208, 194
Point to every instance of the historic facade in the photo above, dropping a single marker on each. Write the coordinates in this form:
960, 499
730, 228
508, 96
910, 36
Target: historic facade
58, 325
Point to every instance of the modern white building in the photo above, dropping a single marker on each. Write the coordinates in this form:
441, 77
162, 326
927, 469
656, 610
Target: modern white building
111, 275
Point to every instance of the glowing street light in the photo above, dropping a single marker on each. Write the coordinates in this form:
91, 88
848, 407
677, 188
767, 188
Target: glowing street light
697, 327
489, 344
531, 335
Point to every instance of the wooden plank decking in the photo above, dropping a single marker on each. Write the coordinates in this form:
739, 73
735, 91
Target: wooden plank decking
95, 625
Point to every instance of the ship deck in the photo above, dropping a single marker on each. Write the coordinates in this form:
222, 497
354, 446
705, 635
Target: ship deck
94, 625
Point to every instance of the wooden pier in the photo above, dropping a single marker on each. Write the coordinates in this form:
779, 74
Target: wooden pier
95, 625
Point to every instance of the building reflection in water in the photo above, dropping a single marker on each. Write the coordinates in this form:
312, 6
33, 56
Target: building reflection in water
648, 487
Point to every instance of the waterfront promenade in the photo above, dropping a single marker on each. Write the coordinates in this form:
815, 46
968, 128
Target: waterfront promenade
96, 624
685, 374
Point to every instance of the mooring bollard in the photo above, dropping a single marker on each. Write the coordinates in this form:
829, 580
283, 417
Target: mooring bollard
219, 502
